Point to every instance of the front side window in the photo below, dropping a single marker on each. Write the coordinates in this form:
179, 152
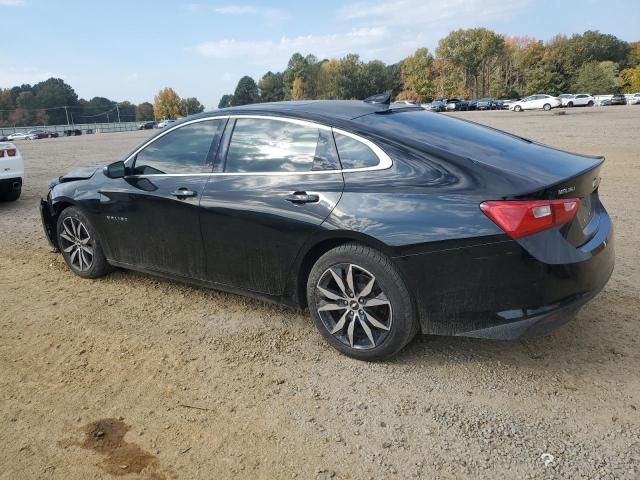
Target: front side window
261, 145
182, 151
354, 154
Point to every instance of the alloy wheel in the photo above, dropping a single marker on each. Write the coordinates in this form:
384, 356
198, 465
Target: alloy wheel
77, 243
353, 307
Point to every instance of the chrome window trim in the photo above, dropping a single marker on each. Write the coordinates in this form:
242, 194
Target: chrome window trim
384, 161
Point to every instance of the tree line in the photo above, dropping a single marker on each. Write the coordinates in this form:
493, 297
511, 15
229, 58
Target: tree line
468, 63
54, 102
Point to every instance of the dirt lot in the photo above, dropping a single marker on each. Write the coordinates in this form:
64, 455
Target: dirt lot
182, 382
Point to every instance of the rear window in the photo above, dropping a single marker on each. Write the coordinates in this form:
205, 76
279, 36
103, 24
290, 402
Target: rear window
353, 153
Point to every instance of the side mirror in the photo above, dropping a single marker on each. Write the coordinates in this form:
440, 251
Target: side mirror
115, 170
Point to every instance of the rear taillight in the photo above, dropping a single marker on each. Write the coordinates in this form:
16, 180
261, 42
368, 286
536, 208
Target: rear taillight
10, 152
523, 217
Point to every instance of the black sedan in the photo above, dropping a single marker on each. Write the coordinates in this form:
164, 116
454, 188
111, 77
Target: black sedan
383, 220
618, 99
148, 125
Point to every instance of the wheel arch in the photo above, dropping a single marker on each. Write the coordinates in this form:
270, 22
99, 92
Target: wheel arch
297, 288
50, 213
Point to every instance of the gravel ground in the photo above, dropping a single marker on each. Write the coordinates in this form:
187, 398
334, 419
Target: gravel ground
181, 382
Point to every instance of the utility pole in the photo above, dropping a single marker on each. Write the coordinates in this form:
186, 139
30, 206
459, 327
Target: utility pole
118, 110
66, 111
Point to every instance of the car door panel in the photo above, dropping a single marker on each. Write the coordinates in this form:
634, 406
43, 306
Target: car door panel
254, 223
252, 232
148, 226
151, 216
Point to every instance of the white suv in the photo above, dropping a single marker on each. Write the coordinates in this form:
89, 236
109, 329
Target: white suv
534, 102
11, 172
635, 99
578, 100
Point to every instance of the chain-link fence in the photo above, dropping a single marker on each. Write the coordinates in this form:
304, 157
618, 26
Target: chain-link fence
75, 129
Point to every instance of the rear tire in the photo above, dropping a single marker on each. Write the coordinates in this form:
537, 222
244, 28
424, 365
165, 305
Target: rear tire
360, 304
546, 107
80, 246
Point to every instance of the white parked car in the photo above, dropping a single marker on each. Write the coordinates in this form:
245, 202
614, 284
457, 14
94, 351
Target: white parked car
635, 99
22, 136
578, 100
165, 123
534, 102
11, 172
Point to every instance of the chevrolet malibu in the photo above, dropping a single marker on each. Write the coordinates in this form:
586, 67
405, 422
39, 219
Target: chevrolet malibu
384, 220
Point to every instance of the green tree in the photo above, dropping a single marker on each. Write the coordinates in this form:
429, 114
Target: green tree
144, 112
633, 59
374, 78
296, 68
98, 109
166, 104
350, 83
476, 53
54, 92
271, 87
246, 92
417, 75
225, 100
191, 106
593, 46
329, 80
597, 78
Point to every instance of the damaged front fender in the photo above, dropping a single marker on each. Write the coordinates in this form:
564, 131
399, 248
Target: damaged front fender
49, 224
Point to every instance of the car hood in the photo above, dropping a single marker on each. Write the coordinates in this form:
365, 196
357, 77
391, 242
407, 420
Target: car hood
80, 173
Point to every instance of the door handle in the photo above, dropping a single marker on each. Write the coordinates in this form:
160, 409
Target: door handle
302, 197
183, 193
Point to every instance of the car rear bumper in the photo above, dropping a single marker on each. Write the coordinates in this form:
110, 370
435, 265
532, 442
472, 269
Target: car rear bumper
10, 184
500, 290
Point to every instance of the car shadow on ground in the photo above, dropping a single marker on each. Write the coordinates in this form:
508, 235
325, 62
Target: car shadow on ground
582, 346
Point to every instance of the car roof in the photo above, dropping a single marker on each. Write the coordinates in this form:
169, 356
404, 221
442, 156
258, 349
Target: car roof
328, 109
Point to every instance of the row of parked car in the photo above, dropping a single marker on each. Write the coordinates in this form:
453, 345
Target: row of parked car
30, 135
532, 102
153, 124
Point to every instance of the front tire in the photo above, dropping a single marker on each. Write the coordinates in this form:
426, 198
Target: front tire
80, 246
517, 108
590, 104
360, 304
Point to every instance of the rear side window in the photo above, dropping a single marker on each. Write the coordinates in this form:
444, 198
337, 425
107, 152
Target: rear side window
181, 151
353, 153
269, 146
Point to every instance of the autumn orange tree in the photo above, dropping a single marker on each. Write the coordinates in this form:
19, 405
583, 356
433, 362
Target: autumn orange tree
166, 104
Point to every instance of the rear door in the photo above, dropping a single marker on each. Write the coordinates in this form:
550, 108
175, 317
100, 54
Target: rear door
150, 217
278, 179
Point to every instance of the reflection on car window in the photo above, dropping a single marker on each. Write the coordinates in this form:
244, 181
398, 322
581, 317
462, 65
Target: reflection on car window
264, 145
183, 150
354, 154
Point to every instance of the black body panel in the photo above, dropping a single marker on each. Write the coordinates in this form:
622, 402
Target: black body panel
240, 233
252, 233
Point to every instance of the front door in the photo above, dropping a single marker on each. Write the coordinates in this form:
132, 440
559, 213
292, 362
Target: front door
150, 217
280, 178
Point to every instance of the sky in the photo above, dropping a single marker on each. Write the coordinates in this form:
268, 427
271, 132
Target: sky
128, 50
